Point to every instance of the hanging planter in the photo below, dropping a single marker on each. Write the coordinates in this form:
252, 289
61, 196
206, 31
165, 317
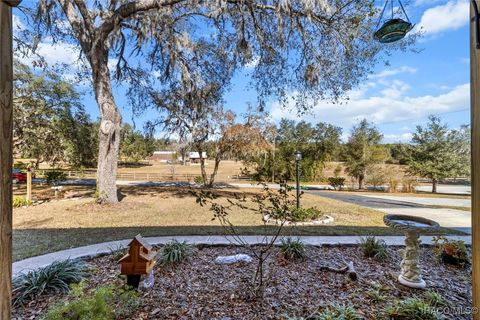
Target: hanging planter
393, 29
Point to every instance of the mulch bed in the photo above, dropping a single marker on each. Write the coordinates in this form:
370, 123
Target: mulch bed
200, 289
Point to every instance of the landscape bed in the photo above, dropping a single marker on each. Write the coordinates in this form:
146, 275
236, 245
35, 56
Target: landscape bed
200, 289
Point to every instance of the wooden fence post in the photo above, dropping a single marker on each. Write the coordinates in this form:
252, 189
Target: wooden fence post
6, 160
475, 169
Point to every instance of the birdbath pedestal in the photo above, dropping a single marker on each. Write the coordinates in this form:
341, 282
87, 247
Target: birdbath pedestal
412, 226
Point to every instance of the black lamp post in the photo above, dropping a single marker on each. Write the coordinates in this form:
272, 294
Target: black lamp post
298, 157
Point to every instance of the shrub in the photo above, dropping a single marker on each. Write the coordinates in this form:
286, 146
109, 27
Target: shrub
304, 214
293, 249
376, 177
55, 277
373, 248
413, 309
337, 171
336, 182
117, 252
451, 251
175, 252
103, 303
198, 180
435, 299
337, 312
408, 184
20, 201
55, 177
376, 295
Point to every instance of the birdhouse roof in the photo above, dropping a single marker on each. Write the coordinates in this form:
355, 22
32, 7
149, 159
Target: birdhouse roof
138, 238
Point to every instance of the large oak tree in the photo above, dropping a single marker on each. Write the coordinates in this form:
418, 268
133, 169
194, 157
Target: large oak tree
316, 49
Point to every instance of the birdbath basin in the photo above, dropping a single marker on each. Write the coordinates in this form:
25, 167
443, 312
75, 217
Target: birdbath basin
412, 226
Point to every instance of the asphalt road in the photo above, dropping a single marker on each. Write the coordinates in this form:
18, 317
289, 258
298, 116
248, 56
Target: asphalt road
369, 202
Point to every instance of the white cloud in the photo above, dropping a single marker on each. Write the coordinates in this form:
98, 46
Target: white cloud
449, 16
392, 72
392, 104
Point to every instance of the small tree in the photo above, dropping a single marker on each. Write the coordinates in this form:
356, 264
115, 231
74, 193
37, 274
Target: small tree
363, 151
277, 204
438, 153
376, 176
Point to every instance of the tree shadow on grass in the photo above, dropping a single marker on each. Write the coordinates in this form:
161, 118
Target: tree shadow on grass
33, 242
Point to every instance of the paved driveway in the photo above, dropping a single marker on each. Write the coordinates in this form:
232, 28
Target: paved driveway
457, 219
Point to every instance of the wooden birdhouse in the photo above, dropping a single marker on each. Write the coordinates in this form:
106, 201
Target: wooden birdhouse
139, 260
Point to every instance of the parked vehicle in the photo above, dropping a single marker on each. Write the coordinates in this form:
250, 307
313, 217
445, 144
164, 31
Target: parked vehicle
18, 176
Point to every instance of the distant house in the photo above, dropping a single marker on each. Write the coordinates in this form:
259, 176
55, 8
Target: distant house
163, 156
194, 157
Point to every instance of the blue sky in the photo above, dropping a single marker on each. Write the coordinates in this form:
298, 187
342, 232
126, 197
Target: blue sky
396, 97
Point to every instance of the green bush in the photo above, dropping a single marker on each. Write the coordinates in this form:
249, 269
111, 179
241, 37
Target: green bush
175, 252
304, 214
20, 201
103, 303
413, 309
198, 180
293, 249
451, 251
55, 277
55, 177
336, 182
374, 248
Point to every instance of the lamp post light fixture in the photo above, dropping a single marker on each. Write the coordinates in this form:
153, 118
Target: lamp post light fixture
298, 158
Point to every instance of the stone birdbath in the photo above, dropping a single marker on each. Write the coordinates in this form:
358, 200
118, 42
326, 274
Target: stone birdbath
410, 274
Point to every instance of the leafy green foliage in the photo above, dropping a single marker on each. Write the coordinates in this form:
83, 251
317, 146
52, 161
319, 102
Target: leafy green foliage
134, 146
438, 152
20, 201
55, 277
451, 251
304, 214
413, 309
175, 252
376, 295
374, 248
50, 123
435, 299
198, 180
336, 182
293, 249
55, 177
318, 144
103, 303
337, 312
363, 150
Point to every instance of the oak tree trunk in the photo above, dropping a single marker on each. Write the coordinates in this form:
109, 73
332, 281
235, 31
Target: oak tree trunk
109, 132
434, 185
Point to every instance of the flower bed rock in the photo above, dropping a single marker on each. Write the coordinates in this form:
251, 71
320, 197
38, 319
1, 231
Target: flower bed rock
325, 219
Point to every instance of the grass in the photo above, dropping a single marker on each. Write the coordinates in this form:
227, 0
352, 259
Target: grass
59, 225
